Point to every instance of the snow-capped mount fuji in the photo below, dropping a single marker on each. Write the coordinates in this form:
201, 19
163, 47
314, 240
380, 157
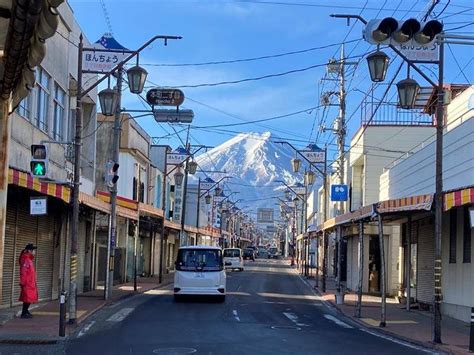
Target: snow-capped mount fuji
255, 162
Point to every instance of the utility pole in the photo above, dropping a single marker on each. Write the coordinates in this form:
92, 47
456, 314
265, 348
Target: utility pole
112, 235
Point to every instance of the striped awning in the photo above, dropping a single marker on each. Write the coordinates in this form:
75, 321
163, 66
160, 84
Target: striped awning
27, 181
458, 198
94, 202
412, 203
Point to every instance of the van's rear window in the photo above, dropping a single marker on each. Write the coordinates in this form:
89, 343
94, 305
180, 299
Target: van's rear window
232, 253
199, 260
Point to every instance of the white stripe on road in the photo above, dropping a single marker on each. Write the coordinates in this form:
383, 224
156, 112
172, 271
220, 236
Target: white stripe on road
85, 329
120, 315
337, 321
408, 345
294, 318
236, 315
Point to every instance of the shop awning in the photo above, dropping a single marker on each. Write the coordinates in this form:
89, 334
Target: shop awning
172, 225
191, 229
121, 201
127, 213
412, 203
25, 180
94, 202
150, 210
210, 231
458, 198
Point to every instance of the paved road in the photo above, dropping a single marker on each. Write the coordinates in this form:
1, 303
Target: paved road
269, 310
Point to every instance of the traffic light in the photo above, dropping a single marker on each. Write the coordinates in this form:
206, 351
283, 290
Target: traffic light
391, 31
39, 160
111, 177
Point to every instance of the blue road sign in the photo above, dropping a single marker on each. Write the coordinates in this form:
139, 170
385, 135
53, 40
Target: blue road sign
339, 192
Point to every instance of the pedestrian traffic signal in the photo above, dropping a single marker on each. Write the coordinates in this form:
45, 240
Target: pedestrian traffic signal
111, 170
39, 160
391, 31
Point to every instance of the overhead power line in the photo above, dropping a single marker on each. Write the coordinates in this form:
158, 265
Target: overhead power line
231, 61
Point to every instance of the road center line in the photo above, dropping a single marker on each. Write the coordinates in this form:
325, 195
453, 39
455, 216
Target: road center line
120, 315
236, 315
337, 321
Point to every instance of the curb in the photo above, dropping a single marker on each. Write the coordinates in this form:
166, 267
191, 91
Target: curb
48, 340
374, 330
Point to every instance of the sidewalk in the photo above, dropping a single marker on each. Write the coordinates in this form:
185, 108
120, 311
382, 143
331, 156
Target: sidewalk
414, 326
43, 328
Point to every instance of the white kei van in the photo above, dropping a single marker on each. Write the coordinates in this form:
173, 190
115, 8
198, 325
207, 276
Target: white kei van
200, 271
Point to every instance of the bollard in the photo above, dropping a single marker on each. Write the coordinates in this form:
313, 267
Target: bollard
471, 338
62, 314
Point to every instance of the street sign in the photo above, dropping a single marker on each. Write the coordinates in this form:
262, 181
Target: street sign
339, 192
299, 190
104, 55
173, 116
38, 206
165, 97
176, 158
415, 51
313, 156
218, 199
206, 185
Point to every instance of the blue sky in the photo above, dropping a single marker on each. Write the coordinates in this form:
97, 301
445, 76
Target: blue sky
218, 30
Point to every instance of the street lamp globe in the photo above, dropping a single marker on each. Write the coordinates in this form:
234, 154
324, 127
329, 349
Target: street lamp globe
309, 178
136, 79
192, 167
378, 65
296, 164
217, 191
208, 199
407, 91
296, 201
178, 178
108, 100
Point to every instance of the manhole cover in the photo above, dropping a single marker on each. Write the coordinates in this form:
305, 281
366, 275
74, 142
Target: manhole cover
285, 327
174, 351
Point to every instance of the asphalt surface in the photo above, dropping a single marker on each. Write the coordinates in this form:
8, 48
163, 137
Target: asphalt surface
269, 310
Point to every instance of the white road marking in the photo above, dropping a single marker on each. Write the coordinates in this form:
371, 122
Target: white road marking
294, 318
337, 321
408, 345
120, 315
236, 315
86, 329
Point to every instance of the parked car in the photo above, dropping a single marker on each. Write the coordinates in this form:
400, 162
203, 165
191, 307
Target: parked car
200, 271
233, 259
273, 253
249, 254
255, 250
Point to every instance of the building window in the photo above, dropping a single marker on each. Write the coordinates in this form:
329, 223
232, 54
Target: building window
42, 99
467, 237
158, 192
59, 96
134, 187
24, 108
453, 230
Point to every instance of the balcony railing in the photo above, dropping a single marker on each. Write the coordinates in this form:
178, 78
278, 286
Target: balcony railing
389, 114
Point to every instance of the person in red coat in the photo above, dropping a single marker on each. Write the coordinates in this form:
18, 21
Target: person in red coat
29, 290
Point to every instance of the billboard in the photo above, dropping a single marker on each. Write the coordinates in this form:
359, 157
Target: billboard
265, 215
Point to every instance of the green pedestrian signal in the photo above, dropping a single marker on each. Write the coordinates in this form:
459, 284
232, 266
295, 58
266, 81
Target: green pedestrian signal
39, 160
38, 168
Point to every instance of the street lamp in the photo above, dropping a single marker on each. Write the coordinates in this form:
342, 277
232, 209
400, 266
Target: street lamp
296, 164
208, 199
407, 91
192, 167
217, 191
296, 201
309, 177
378, 65
108, 99
178, 178
287, 194
136, 79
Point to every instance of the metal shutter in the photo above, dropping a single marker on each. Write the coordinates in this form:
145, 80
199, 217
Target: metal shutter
426, 246
9, 263
45, 256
